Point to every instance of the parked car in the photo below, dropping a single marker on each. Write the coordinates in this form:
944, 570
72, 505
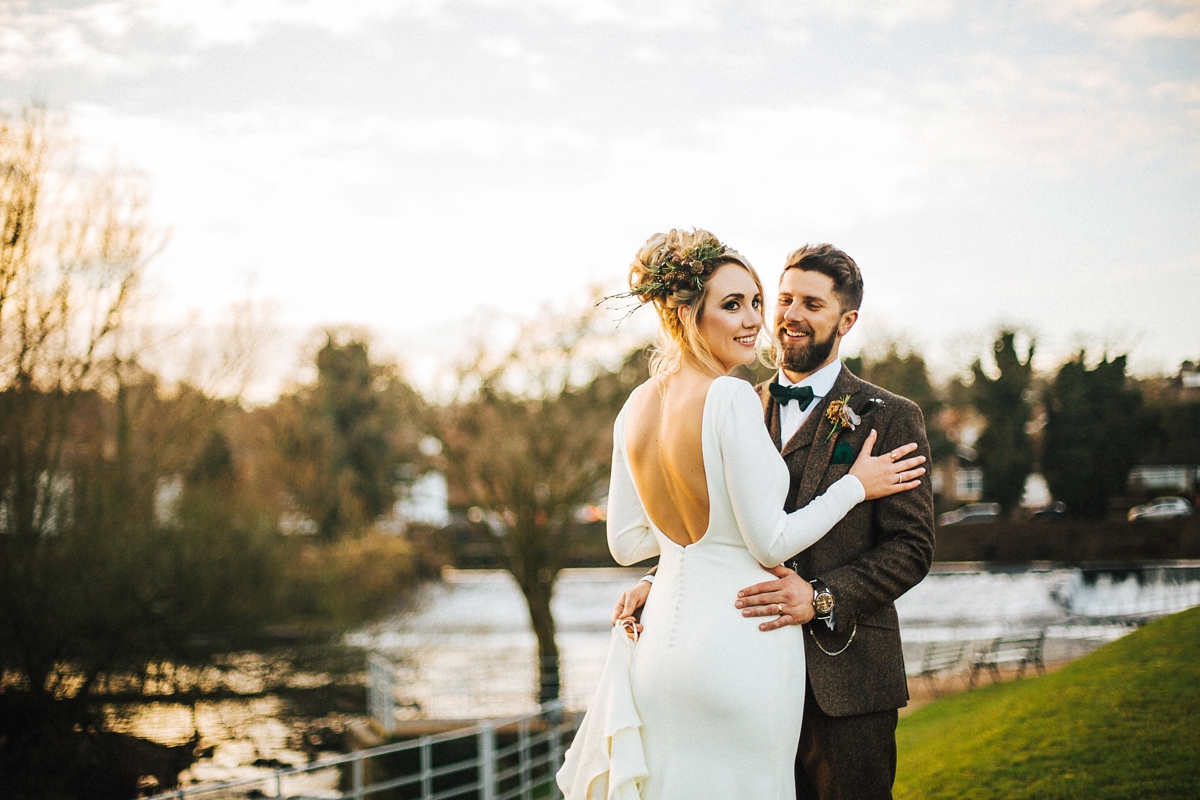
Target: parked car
971, 514
1161, 508
1051, 513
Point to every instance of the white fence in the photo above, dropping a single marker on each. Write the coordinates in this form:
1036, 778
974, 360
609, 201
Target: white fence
501, 759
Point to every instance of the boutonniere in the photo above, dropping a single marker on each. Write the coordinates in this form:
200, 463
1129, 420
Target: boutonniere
841, 415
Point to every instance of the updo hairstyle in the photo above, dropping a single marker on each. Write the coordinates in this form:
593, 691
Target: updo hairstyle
671, 271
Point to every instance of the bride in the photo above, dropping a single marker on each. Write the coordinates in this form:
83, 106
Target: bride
697, 481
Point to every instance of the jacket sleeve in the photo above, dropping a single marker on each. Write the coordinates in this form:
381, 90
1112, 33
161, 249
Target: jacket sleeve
903, 532
756, 480
630, 539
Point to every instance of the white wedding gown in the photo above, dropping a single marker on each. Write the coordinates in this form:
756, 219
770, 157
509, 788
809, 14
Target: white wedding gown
720, 701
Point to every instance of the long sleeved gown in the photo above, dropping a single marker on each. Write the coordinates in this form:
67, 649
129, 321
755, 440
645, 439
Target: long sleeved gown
720, 701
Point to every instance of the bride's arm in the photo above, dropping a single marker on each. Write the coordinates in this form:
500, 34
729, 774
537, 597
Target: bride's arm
630, 539
756, 481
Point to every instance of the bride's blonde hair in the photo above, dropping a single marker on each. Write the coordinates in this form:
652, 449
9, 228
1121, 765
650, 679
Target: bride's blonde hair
671, 270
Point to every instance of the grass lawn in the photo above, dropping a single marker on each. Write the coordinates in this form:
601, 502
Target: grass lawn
1124, 722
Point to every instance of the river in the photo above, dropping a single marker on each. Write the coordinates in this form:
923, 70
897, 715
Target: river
466, 650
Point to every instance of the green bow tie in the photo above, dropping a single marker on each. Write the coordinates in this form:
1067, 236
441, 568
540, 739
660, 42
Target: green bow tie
786, 394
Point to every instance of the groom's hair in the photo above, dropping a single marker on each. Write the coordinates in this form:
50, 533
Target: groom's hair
841, 269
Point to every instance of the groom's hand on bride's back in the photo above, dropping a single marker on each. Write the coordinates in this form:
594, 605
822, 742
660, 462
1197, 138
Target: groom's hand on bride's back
788, 599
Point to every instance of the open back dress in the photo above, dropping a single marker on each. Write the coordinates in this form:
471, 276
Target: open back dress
720, 700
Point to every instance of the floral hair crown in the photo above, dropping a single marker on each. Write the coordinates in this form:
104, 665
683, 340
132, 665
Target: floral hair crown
675, 272
669, 272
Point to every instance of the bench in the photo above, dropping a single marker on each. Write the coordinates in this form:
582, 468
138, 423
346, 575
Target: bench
940, 656
1010, 650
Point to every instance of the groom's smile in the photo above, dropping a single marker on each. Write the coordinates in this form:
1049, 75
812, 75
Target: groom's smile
798, 337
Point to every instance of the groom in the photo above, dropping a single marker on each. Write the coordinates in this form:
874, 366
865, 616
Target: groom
843, 588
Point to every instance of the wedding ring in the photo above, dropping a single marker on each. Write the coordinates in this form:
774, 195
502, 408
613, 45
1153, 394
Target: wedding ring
779, 613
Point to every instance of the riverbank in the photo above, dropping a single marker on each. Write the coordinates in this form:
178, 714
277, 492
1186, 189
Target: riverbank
1070, 542
1122, 722
1067, 542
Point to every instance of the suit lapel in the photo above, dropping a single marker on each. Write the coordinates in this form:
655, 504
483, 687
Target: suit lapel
822, 443
771, 411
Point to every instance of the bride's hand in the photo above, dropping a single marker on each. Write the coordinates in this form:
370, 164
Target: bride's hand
889, 473
629, 605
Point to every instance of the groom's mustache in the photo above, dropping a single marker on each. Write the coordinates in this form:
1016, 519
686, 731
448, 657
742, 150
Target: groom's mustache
799, 327
807, 354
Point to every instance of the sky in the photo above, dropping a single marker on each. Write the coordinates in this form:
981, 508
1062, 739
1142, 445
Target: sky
422, 168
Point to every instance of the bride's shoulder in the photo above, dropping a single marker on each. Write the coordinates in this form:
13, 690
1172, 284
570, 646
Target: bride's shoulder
731, 387
736, 395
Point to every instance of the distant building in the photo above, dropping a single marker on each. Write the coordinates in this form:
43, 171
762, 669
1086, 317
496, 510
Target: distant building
968, 484
1189, 377
1164, 478
426, 502
957, 478
1172, 467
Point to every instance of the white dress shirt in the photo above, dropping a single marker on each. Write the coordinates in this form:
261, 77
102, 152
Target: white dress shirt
821, 382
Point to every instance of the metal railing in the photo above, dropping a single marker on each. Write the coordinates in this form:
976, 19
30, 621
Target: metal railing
500, 759
381, 693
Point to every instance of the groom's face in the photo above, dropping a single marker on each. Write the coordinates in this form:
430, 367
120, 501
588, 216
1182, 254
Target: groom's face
809, 321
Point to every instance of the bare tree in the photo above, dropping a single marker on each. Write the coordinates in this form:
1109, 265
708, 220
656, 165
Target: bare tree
109, 585
527, 441
73, 247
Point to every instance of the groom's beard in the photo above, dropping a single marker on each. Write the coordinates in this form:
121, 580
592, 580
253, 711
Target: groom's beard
805, 358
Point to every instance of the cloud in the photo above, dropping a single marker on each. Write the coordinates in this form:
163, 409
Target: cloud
886, 16
126, 36
1128, 20
400, 164
86, 37
1184, 91
133, 36
1151, 23
242, 21
402, 204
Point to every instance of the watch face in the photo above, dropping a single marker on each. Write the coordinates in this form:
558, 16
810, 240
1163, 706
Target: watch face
823, 602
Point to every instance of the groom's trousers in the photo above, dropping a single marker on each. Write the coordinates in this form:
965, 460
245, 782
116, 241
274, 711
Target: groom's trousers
845, 758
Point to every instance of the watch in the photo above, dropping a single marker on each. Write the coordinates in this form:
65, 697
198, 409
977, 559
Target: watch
823, 602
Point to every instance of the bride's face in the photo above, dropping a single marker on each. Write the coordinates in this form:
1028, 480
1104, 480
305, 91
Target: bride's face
732, 316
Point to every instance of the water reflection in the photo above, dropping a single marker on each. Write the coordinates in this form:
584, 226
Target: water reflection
235, 739
468, 651
1080, 609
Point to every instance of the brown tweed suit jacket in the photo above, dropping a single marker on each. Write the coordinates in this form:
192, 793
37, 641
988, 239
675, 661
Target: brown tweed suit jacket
880, 550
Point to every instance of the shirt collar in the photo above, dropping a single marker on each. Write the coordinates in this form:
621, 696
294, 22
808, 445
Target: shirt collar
821, 381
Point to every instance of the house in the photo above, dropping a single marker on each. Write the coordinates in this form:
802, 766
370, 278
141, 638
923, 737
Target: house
1189, 380
958, 478
1173, 465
